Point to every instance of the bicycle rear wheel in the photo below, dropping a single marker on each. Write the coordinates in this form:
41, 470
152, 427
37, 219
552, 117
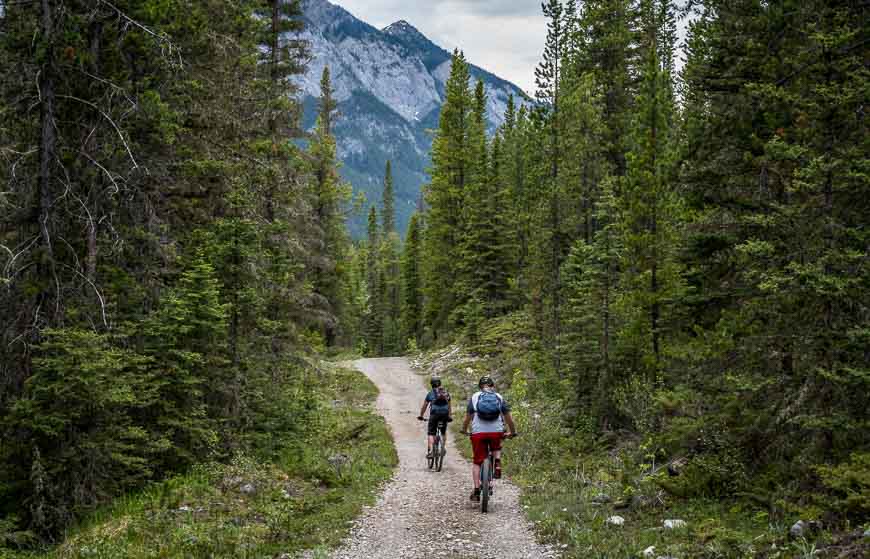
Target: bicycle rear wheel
439, 453
485, 480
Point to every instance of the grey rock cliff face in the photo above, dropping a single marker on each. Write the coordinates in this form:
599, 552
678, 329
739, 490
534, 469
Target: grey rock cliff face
390, 86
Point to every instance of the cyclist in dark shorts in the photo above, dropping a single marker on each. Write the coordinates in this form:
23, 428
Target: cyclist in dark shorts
440, 411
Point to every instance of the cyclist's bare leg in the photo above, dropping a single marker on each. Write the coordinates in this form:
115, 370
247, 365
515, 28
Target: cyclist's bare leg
431, 441
475, 475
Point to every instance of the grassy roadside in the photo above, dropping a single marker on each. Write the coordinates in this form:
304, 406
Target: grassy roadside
303, 496
573, 482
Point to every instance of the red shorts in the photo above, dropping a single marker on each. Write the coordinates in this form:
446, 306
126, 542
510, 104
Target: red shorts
479, 442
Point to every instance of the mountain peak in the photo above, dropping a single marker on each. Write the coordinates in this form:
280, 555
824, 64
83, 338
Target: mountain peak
402, 27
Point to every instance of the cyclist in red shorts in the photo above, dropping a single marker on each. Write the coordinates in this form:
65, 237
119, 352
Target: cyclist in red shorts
487, 413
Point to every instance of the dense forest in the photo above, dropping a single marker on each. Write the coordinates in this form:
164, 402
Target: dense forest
684, 254
170, 254
687, 253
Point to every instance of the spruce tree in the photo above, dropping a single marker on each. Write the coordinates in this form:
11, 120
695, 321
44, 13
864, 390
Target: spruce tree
329, 194
412, 293
388, 212
445, 198
650, 208
393, 342
374, 314
551, 242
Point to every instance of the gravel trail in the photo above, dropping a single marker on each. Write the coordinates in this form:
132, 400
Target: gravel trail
426, 514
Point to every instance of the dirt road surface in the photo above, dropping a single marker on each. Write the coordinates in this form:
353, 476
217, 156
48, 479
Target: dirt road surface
425, 514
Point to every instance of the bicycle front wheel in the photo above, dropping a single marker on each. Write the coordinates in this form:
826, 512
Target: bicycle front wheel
485, 481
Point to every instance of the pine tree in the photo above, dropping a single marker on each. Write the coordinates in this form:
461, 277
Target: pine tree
472, 241
608, 30
790, 159
374, 314
412, 294
329, 194
393, 342
388, 215
651, 277
445, 197
551, 243
592, 285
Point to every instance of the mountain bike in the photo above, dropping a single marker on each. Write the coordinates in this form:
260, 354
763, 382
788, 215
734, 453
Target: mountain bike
487, 474
439, 449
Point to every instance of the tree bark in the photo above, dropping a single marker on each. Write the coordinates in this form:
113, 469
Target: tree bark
48, 137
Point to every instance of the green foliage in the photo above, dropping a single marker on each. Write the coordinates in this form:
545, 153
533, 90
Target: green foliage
452, 172
850, 484
173, 246
412, 297
692, 275
85, 410
301, 500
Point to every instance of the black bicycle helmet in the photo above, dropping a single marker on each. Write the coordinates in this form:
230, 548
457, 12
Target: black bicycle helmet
485, 381
435, 382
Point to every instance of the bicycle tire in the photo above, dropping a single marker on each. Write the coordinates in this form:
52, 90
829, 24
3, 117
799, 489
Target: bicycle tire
439, 454
431, 458
484, 485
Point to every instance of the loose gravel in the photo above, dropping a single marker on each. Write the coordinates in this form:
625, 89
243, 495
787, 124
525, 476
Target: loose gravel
423, 513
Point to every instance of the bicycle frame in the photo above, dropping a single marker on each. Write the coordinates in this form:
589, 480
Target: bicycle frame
438, 448
487, 471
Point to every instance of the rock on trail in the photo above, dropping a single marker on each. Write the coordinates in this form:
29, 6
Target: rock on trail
426, 514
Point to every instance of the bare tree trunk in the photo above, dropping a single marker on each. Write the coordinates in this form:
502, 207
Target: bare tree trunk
48, 139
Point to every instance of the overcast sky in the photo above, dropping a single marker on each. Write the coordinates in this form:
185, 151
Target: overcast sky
505, 37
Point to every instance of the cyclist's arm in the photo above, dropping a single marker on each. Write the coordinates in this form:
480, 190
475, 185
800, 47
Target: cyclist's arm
467, 422
510, 422
423, 409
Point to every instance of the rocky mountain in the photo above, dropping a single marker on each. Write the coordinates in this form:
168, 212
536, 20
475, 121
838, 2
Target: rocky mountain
390, 85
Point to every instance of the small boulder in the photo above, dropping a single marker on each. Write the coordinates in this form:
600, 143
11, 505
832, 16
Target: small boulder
867, 533
601, 499
248, 489
674, 524
649, 552
615, 520
803, 528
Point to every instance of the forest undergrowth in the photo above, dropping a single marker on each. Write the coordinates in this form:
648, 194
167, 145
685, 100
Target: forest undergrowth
621, 493
296, 491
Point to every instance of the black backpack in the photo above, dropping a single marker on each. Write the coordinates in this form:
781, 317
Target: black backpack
442, 400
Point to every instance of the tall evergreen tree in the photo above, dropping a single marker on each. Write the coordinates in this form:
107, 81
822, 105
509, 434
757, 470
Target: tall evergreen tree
329, 194
393, 342
388, 217
374, 314
445, 197
650, 207
412, 293
551, 243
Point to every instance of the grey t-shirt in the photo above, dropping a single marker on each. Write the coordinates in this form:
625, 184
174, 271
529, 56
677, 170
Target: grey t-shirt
479, 425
